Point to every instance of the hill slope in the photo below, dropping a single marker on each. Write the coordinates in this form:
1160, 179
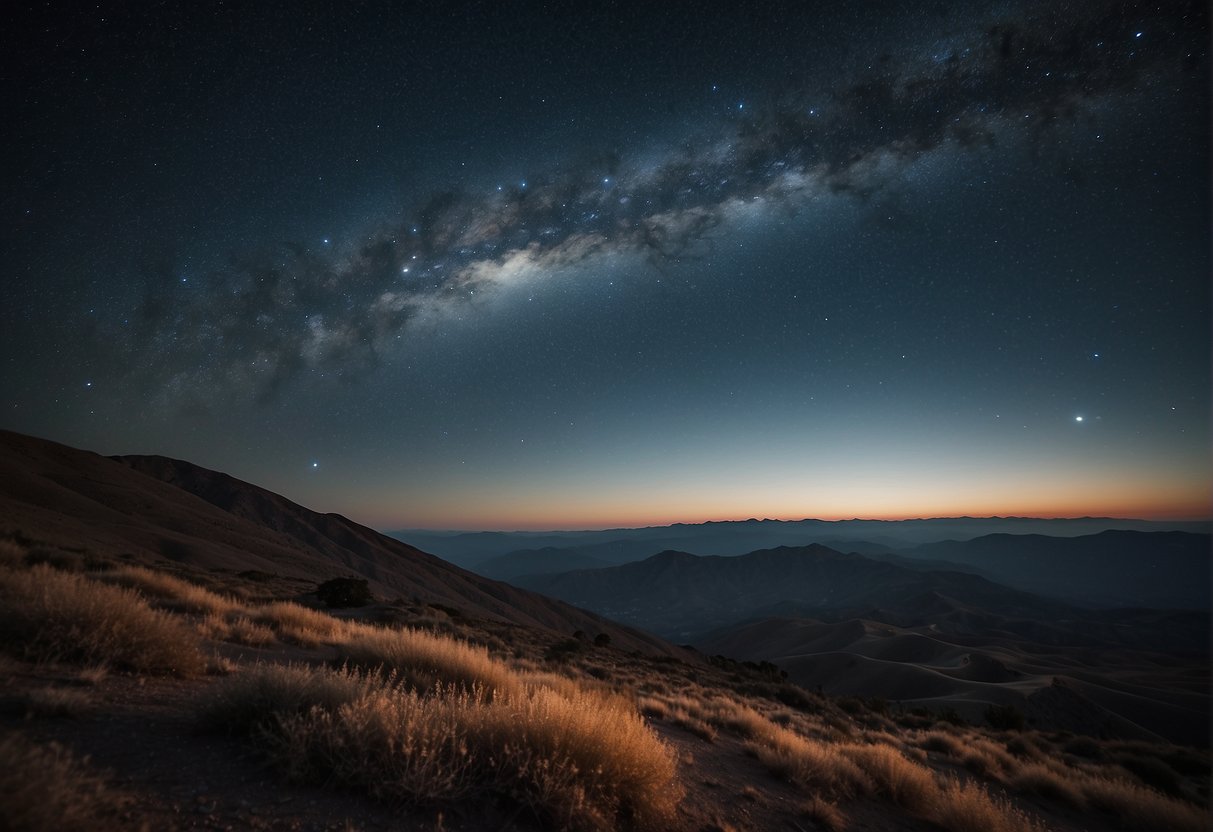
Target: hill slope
153, 508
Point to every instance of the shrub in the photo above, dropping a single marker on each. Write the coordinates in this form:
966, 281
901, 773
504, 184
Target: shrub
583, 760
47, 615
344, 592
1004, 717
602, 640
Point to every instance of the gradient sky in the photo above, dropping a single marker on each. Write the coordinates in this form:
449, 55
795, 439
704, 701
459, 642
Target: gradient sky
586, 265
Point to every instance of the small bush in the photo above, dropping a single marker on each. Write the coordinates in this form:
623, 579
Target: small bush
344, 592
1004, 718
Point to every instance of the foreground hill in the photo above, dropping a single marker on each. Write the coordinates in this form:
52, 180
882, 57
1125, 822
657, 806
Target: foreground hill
153, 509
135, 698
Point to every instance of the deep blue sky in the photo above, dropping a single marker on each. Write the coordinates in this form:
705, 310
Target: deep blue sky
524, 265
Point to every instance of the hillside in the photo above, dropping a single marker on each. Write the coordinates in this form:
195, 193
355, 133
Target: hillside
152, 509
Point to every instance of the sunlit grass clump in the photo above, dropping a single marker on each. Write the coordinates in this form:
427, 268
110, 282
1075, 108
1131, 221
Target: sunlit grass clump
48, 615
582, 761
170, 592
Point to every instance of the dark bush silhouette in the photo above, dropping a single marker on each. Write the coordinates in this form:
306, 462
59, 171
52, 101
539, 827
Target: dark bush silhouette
1004, 717
344, 592
602, 640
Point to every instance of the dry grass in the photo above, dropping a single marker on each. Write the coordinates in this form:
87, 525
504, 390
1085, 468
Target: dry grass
809, 763
825, 814
46, 615
301, 625
585, 761
168, 591
895, 778
237, 629
1035, 778
422, 660
44, 789
967, 807
1143, 809
943, 743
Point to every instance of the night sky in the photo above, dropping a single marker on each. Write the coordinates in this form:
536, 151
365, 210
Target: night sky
589, 264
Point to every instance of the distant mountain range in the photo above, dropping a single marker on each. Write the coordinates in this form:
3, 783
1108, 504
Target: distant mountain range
1112, 568
151, 508
679, 595
869, 537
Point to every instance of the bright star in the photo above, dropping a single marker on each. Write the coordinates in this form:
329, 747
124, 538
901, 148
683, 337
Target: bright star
1077, 418
326, 241
315, 464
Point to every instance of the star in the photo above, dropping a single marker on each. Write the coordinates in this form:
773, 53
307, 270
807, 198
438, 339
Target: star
1077, 418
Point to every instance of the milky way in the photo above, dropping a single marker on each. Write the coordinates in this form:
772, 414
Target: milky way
339, 309
476, 264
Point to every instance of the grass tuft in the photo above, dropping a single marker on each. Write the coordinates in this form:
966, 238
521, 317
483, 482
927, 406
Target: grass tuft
584, 761
47, 615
